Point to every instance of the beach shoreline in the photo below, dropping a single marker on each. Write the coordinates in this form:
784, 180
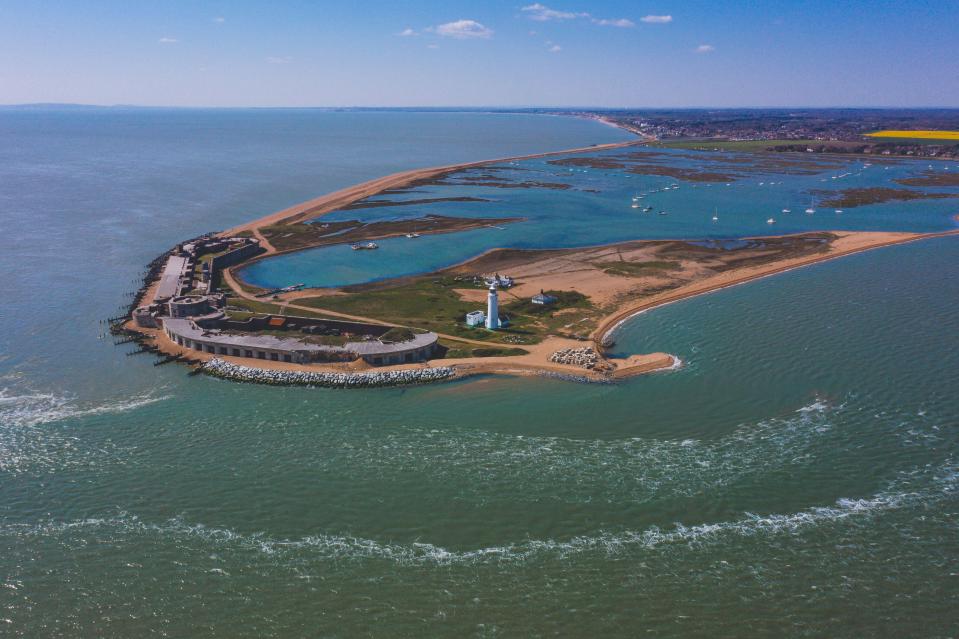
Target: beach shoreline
610, 324
338, 199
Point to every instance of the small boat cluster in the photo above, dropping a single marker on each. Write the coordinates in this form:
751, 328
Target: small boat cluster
234, 372
364, 246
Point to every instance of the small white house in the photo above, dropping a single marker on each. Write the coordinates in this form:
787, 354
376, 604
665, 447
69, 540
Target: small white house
543, 299
476, 318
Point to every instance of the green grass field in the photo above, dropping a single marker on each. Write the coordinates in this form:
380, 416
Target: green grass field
250, 308
456, 349
730, 145
434, 305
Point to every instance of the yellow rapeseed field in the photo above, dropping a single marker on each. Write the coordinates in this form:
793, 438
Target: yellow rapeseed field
925, 135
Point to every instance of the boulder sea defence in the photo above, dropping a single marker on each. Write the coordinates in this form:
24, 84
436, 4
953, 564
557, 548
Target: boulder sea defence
235, 372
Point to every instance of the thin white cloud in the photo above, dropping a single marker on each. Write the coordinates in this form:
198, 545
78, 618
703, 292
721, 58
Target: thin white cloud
542, 13
219, 19
432, 46
464, 30
167, 40
621, 22
555, 48
705, 48
279, 59
407, 32
657, 19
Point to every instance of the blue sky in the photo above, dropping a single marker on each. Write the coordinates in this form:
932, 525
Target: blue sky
417, 53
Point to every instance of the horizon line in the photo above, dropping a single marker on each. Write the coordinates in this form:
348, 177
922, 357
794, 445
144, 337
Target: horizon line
473, 107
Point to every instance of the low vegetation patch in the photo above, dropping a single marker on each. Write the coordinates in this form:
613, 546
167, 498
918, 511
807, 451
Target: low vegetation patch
876, 195
397, 334
289, 237
571, 315
932, 178
248, 308
637, 269
452, 349
681, 173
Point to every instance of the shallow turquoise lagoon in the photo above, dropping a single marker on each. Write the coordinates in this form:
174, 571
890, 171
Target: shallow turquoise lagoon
597, 208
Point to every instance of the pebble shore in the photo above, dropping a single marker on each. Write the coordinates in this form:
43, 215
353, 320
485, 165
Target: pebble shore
579, 379
585, 357
235, 372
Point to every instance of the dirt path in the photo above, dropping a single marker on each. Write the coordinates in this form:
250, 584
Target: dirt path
232, 283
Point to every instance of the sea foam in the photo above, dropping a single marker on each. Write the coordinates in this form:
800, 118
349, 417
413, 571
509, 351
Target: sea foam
942, 484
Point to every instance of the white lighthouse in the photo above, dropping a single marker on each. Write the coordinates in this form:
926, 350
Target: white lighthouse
492, 308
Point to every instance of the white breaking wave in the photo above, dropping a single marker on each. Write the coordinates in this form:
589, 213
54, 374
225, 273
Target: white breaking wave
26, 444
42, 408
817, 406
943, 483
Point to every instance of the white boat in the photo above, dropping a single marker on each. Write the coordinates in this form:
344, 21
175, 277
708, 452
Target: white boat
364, 246
810, 210
412, 235
786, 211
770, 221
715, 215
634, 205
839, 211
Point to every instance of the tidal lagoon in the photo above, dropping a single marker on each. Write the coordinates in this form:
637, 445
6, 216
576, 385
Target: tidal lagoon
797, 474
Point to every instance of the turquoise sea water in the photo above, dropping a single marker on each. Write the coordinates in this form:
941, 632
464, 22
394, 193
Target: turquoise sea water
796, 477
597, 209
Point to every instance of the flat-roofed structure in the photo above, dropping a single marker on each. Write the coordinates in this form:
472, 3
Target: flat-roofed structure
189, 334
172, 278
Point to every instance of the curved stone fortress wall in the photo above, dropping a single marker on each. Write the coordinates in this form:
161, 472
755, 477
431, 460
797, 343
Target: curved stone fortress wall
246, 250
218, 336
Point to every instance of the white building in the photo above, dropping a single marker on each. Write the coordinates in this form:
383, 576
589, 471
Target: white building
492, 309
502, 281
543, 299
476, 318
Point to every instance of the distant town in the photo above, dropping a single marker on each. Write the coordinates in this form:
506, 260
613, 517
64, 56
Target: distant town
787, 130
